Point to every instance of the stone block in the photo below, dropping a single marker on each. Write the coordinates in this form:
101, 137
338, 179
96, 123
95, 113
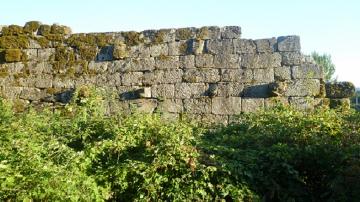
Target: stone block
105, 53
8, 92
32, 94
205, 60
231, 32
227, 61
303, 87
282, 73
201, 75
256, 90
143, 105
189, 90
265, 60
63, 83
159, 49
167, 62
43, 81
236, 75
132, 78
118, 107
31, 54
244, 46
163, 76
165, 35
263, 75
185, 33
340, 90
252, 104
141, 50
210, 32
187, 61
171, 105
291, 58
138, 64
289, 44
163, 91
307, 71
224, 46
45, 54
226, 105
180, 48
265, 45
113, 79
197, 106
302, 103
197, 46
144, 92
229, 89
98, 67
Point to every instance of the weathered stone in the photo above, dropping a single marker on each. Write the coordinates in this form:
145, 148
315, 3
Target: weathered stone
43, 81
163, 76
340, 90
189, 90
140, 50
231, 32
128, 92
118, 107
132, 78
222, 105
63, 83
114, 79
163, 91
197, 106
98, 67
171, 105
302, 103
282, 73
291, 58
236, 75
159, 49
31, 54
120, 51
309, 71
179, 48
303, 87
8, 92
244, 46
197, 46
205, 60
143, 105
139, 64
167, 62
265, 45
261, 60
201, 75
229, 89
274, 101
224, 46
252, 104
289, 44
166, 35
32, 94
227, 61
211, 32
256, 90
343, 103
45, 54
185, 33
33, 44
187, 61
264, 75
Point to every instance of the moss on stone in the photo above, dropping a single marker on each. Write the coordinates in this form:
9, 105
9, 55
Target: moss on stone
31, 27
183, 48
43, 42
19, 105
4, 72
203, 33
64, 57
44, 30
53, 91
87, 52
340, 103
133, 38
7, 42
14, 55
184, 33
164, 57
340, 90
60, 29
159, 37
120, 51
12, 30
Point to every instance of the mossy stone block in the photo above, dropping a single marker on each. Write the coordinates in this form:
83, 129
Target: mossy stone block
7, 42
13, 55
12, 30
342, 103
44, 30
31, 27
340, 90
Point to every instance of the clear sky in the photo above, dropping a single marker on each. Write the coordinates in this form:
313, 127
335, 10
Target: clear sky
325, 26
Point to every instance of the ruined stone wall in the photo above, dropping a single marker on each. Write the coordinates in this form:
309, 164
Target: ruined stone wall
209, 73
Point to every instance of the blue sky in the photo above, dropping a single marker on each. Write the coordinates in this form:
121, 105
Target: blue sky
331, 27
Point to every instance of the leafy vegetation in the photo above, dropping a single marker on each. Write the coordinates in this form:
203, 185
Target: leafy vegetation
325, 62
77, 153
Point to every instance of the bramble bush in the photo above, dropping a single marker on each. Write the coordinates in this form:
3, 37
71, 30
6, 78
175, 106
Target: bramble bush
77, 153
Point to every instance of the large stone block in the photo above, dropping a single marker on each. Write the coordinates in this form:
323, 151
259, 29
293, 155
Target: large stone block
231, 32
45, 54
282, 73
177, 48
187, 61
303, 87
340, 90
190, 90
31, 54
167, 62
226, 105
274, 101
132, 78
209, 32
43, 81
105, 54
229, 89
265, 60
138, 64
252, 104
307, 71
185, 33
140, 50
227, 61
163, 91
302, 103
198, 105
264, 75
171, 105
244, 46
98, 67
256, 90
225, 46
159, 49
201, 75
236, 75
289, 44
266, 45
291, 58
32, 94
205, 60
163, 76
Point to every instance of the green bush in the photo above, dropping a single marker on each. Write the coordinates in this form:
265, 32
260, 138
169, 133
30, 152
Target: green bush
77, 153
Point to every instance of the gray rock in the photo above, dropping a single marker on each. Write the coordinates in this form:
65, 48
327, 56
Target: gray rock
187, 61
31, 54
282, 73
252, 104
291, 58
171, 105
229, 89
289, 44
158, 50
43, 81
244, 46
224, 46
266, 45
163, 76
261, 60
167, 62
222, 105
197, 106
140, 50
302, 103
163, 91
45, 54
201, 75
132, 78
179, 48
185, 33
189, 90
231, 32
139, 64
309, 71
264, 75
236, 75
98, 67
205, 60
32, 94
303, 87
227, 61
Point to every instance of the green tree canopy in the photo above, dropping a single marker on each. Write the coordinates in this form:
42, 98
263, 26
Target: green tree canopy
325, 62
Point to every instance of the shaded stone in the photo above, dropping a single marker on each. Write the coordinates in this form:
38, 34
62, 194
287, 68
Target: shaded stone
171, 105
343, 103
236, 75
105, 54
266, 45
229, 89
340, 90
189, 90
288, 44
257, 91
197, 106
274, 101
252, 104
229, 105
261, 60
143, 105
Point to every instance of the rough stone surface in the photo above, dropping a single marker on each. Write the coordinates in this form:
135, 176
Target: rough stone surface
197, 106
201, 75
236, 75
264, 75
244, 46
291, 58
303, 87
289, 43
252, 104
282, 73
340, 90
265, 45
222, 105
261, 60
231, 32
311, 71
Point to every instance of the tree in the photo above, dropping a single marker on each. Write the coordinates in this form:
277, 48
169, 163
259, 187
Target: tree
324, 61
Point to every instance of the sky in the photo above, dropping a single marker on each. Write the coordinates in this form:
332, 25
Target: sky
324, 26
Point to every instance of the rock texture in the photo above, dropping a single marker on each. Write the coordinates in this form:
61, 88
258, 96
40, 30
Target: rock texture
209, 73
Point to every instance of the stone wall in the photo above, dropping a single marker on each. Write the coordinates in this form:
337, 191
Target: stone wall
209, 73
